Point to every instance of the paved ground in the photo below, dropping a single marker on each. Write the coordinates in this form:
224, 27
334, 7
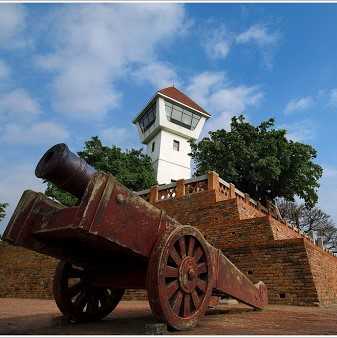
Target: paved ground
28, 316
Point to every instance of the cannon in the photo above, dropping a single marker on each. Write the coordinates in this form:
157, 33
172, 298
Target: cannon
114, 240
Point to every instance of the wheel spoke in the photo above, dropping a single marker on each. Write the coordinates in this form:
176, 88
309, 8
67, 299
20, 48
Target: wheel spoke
201, 284
198, 253
195, 299
80, 301
187, 305
92, 306
105, 300
75, 289
191, 246
175, 256
172, 288
177, 302
170, 271
202, 268
182, 247
95, 304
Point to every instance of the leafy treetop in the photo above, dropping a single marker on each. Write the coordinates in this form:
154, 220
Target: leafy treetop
260, 161
132, 168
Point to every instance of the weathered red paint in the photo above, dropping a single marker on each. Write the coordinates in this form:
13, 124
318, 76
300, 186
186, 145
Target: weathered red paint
121, 241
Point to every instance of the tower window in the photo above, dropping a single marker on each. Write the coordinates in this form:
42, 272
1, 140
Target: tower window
148, 118
181, 116
176, 145
153, 145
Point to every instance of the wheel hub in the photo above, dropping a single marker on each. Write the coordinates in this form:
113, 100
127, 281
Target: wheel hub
188, 274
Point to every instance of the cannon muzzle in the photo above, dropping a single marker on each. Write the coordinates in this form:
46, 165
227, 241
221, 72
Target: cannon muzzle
65, 169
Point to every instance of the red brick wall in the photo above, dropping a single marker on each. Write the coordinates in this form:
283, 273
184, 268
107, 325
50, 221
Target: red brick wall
246, 210
24, 273
27, 274
295, 271
132, 294
324, 271
282, 265
282, 231
220, 222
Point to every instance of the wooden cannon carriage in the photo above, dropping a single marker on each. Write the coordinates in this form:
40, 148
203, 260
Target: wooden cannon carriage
114, 240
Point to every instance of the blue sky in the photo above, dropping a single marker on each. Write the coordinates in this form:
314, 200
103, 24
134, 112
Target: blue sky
69, 72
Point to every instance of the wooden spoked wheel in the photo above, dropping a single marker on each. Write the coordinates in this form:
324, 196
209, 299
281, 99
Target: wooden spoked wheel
78, 299
179, 280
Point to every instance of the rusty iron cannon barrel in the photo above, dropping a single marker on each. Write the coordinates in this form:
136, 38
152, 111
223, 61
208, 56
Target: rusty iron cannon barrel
65, 169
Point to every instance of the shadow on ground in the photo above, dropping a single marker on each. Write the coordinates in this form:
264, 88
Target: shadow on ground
132, 322
41, 317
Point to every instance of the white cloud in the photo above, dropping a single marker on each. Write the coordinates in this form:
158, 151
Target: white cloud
299, 104
262, 37
235, 99
218, 43
18, 105
12, 24
258, 34
116, 136
222, 99
4, 71
302, 131
13, 181
201, 85
41, 133
96, 45
160, 75
333, 97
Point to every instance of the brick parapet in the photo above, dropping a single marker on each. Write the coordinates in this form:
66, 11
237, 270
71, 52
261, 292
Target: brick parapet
246, 210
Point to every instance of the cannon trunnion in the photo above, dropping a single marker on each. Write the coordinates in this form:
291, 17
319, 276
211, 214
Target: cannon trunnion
114, 240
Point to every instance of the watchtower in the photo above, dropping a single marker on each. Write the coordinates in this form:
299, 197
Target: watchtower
169, 120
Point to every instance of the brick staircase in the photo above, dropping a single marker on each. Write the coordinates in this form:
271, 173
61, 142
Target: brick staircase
256, 239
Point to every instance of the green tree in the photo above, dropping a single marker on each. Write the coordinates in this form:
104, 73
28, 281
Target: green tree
260, 161
132, 168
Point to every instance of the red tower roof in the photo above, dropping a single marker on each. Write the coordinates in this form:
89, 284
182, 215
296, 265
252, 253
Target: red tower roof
179, 96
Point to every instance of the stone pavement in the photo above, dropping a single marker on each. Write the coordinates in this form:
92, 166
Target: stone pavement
35, 316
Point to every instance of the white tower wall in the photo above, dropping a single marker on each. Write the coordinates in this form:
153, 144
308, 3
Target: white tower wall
168, 163
162, 139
